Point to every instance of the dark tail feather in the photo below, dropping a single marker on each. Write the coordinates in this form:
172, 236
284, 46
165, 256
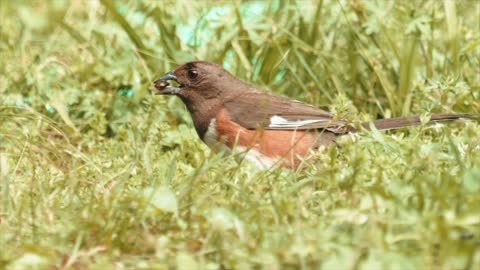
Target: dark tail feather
399, 122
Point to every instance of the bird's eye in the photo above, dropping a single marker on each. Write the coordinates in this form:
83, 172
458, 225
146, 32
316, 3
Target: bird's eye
192, 73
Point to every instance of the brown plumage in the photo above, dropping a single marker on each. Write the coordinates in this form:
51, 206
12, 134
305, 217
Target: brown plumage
230, 112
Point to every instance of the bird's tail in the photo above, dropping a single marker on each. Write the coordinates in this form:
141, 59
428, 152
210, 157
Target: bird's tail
400, 122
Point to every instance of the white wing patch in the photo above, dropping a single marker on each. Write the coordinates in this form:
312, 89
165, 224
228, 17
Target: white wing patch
280, 122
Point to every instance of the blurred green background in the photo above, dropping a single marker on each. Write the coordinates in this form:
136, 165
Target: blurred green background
97, 173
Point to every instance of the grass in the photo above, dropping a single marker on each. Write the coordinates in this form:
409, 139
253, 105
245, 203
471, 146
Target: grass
96, 173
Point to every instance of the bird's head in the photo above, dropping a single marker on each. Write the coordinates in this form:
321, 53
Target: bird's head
195, 79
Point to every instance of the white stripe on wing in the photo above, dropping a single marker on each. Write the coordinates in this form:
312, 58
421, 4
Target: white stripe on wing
280, 122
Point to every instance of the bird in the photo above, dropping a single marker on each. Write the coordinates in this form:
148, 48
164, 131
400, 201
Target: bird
233, 116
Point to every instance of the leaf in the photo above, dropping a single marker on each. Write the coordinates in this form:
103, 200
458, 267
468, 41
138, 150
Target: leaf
186, 261
223, 219
161, 198
29, 261
471, 180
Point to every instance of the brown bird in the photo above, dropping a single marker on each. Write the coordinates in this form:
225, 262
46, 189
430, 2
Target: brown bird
230, 114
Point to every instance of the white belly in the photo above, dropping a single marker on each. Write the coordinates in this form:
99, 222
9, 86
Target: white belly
211, 139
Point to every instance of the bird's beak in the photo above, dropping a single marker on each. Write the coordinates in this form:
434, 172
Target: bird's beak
163, 87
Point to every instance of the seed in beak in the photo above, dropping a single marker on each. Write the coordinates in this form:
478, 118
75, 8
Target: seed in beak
160, 85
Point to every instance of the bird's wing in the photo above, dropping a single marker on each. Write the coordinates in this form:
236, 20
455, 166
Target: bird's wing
268, 111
